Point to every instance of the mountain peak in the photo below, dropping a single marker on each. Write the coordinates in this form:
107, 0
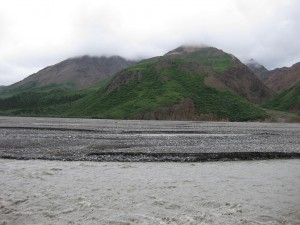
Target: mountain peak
254, 64
259, 70
187, 49
81, 71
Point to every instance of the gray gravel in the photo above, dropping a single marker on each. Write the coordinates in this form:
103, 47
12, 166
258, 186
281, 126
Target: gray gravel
132, 140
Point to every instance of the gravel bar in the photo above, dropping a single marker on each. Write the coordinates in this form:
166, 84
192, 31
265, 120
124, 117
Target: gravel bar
144, 141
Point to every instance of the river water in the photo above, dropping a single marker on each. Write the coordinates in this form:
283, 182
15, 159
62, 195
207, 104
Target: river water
239, 192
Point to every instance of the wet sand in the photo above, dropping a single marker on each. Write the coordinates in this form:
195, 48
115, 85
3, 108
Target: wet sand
119, 140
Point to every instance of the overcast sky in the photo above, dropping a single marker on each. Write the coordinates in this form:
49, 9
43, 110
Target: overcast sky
38, 33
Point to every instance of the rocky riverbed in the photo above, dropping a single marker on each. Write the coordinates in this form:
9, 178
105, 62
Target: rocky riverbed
134, 140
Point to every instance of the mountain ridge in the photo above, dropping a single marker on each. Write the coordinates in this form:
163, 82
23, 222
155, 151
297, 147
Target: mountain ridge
173, 86
279, 79
78, 72
283, 78
187, 83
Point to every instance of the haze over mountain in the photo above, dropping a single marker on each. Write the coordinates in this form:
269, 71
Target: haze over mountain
261, 71
35, 33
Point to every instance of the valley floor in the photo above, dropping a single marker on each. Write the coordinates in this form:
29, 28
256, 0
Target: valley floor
119, 193
120, 140
283, 117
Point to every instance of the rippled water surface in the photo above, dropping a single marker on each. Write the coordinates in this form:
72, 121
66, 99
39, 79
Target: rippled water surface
52, 192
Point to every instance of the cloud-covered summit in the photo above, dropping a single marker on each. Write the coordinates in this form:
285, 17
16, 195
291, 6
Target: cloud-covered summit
35, 34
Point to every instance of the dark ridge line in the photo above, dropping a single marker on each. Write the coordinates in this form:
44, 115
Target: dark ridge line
198, 156
165, 157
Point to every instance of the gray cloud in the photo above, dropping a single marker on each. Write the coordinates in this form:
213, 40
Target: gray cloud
35, 34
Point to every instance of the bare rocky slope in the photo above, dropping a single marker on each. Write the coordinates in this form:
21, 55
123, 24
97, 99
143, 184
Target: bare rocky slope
279, 79
283, 78
240, 80
79, 72
285, 82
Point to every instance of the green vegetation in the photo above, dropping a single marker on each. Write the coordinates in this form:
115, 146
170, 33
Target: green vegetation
207, 57
33, 87
166, 85
288, 100
2, 88
283, 116
161, 81
38, 103
51, 100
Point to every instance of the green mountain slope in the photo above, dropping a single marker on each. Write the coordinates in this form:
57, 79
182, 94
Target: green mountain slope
176, 84
288, 100
50, 91
188, 83
52, 100
35, 103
